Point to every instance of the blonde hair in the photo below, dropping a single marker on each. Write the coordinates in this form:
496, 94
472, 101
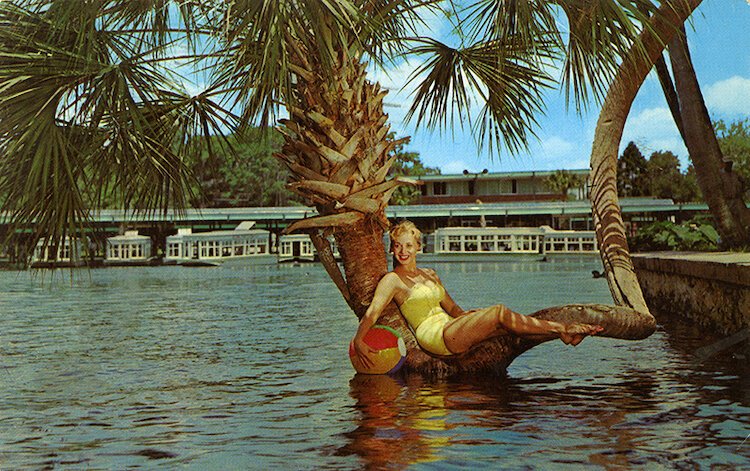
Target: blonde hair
405, 227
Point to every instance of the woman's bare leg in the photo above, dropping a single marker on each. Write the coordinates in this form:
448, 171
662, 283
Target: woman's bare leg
464, 332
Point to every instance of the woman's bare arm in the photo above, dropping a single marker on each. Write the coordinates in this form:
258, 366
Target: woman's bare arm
384, 293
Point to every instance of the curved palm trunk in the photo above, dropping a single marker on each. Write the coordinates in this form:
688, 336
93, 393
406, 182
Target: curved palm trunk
610, 229
720, 186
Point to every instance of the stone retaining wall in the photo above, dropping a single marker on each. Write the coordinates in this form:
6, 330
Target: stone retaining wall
712, 289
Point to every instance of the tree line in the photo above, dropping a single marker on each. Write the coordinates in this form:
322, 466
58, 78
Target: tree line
246, 173
661, 174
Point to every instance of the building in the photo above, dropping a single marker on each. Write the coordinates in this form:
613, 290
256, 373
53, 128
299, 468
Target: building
496, 187
69, 252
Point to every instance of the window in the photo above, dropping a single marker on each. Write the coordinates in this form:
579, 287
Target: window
488, 243
454, 243
439, 188
470, 243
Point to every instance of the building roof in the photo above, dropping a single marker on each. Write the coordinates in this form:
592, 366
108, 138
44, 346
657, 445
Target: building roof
287, 214
498, 175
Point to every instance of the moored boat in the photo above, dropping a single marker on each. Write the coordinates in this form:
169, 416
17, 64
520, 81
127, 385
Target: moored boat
300, 249
68, 252
129, 249
492, 243
242, 244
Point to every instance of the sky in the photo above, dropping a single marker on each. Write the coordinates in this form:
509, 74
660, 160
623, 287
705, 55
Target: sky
719, 41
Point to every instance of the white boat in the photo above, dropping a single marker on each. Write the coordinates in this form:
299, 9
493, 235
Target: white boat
69, 252
477, 243
299, 248
130, 248
569, 242
211, 248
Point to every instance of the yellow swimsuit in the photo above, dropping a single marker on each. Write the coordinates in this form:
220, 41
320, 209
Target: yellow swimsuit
426, 317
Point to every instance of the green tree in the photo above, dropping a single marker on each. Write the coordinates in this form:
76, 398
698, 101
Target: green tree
722, 189
665, 180
689, 190
408, 164
89, 98
663, 174
734, 140
246, 173
561, 181
631, 172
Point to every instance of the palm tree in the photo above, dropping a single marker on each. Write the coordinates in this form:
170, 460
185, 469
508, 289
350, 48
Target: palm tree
561, 181
90, 104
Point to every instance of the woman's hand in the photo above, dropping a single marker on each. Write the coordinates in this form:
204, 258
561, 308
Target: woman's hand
363, 352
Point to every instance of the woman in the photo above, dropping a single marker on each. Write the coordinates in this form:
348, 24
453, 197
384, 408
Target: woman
440, 326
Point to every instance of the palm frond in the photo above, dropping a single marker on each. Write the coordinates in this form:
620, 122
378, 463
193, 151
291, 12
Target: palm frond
89, 114
601, 33
503, 78
259, 38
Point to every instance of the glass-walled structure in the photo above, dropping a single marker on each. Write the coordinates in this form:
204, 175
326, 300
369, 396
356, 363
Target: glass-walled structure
242, 242
130, 247
66, 253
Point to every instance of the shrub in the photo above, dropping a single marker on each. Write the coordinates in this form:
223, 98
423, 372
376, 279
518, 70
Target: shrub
695, 235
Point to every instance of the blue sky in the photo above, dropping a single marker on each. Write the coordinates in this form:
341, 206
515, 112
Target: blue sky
720, 46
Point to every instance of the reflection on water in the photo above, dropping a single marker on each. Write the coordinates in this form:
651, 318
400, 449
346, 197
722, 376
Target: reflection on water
246, 368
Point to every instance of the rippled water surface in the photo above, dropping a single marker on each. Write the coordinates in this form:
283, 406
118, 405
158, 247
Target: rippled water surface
246, 368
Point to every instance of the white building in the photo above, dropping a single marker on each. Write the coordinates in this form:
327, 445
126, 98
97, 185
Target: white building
69, 252
128, 248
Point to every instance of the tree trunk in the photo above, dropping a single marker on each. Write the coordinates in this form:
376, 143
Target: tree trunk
610, 229
667, 86
721, 187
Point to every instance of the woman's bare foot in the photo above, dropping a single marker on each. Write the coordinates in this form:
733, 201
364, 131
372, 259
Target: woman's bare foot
575, 333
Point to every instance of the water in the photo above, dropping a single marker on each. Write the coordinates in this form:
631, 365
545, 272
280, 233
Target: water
246, 368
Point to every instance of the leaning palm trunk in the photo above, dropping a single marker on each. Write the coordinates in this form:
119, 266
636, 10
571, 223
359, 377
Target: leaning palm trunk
610, 229
337, 148
721, 187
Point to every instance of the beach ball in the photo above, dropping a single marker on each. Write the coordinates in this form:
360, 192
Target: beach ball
390, 347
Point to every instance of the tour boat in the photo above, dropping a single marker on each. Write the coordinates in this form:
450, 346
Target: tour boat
242, 244
129, 249
299, 248
476, 243
70, 252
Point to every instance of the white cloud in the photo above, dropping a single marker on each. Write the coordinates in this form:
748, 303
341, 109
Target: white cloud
553, 148
729, 97
455, 166
654, 129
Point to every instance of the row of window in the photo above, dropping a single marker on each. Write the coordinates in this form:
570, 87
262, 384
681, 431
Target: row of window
490, 243
126, 251
515, 243
45, 253
441, 188
296, 248
215, 248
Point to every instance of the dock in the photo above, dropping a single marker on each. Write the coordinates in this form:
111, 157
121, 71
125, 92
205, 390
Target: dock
710, 288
